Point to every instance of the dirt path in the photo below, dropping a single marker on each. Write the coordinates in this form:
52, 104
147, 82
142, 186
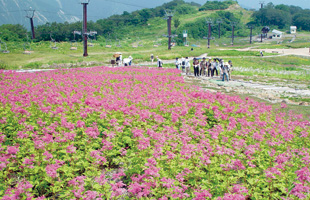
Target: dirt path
169, 61
297, 52
273, 93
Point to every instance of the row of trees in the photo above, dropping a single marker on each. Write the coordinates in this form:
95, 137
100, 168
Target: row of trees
116, 24
217, 5
282, 16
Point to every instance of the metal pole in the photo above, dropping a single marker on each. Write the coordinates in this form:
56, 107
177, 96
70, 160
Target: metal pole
251, 34
85, 28
32, 28
219, 30
209, 34
233, 35
169, 32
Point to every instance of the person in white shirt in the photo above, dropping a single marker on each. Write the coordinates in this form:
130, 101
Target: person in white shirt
177, 63
120, 59
159, 62
214, 67
225, 70
183, 64
187, 66
220, 67
130, 57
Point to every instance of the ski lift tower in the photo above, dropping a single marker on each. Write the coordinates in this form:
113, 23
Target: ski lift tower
168, 17
209, 22
251, 32
233, 25
262, 4
84, 31
219, 22
30, 15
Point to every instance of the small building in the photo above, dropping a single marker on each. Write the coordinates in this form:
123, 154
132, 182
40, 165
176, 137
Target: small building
293, 29
277, 34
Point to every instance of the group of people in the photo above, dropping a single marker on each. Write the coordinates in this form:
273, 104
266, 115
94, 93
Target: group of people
206, 68
120, 61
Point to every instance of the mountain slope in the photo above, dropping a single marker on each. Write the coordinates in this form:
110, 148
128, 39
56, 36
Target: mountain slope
12, 11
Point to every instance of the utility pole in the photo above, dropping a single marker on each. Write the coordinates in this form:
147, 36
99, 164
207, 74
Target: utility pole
219, 22
262, 4
251, 32
84, 32
209, 22
169, 15
30, 15
233, 24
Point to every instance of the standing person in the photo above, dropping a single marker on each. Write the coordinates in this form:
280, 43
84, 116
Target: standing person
203, 67
183, 64
196, 67
177, 63
117, 59
152, 58
120, 59
130, 60
209, 66
220, 67
225, 71
230, 69
261, 53
159, 62
214, 67
187, 66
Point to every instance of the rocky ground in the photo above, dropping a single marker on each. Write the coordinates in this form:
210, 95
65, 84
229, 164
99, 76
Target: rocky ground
279, 92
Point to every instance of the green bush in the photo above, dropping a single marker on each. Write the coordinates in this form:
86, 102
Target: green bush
217, 5
33, 65
3, 65
185, 9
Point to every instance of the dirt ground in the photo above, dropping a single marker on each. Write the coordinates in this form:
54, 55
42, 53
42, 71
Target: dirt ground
296, 52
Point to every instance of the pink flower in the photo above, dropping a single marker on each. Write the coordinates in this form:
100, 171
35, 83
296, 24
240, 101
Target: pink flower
71, 149
90, 195
202, 195
92, 132
48, 155
12, 149
51, 170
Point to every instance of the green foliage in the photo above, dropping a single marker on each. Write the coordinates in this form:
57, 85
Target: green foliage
217, 5
13, 32
197, 29
33, 65
282, 16
118, 25
185, 9
176, 23
3, 65
302, 20
276, 16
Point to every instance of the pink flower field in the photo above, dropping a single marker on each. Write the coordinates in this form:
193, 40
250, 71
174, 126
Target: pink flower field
140, 133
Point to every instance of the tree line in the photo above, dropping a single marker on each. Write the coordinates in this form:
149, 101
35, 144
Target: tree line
282, 16
279, 16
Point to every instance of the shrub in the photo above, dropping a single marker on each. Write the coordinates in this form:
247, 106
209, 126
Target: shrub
217, 5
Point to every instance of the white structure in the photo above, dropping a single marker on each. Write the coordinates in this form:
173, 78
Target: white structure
277, 34
293, 29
